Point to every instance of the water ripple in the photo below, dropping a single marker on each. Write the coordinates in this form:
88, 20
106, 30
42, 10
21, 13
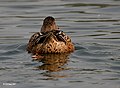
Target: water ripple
94, 27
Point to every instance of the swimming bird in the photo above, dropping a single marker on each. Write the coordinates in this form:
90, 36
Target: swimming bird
50, 39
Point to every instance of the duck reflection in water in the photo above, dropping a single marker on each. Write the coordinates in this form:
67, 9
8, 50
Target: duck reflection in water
52, 62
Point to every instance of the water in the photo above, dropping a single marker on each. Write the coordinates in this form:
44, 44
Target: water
94, 26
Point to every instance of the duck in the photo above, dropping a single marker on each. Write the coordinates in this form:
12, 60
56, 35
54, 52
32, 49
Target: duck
50, 39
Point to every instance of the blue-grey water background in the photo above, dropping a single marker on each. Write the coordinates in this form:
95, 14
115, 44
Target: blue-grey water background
94, 27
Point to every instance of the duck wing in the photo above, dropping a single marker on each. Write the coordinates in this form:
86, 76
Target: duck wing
34, 40
62, 36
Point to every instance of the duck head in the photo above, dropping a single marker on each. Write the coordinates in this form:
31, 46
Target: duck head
49, 24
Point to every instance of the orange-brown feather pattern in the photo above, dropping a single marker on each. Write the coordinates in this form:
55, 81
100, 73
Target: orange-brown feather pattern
51, 43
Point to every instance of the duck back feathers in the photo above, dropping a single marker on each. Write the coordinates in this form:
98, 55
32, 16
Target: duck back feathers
54, 41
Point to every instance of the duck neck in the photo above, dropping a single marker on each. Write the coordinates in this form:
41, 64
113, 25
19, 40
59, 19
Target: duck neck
46, 29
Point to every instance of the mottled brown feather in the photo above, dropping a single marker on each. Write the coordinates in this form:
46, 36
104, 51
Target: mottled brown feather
51, 43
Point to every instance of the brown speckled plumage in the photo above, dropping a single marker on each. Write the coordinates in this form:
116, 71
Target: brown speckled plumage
50, 40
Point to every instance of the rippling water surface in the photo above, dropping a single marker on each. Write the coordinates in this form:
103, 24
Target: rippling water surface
94, 26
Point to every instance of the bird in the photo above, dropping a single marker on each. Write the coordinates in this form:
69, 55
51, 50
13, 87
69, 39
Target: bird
50, 39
